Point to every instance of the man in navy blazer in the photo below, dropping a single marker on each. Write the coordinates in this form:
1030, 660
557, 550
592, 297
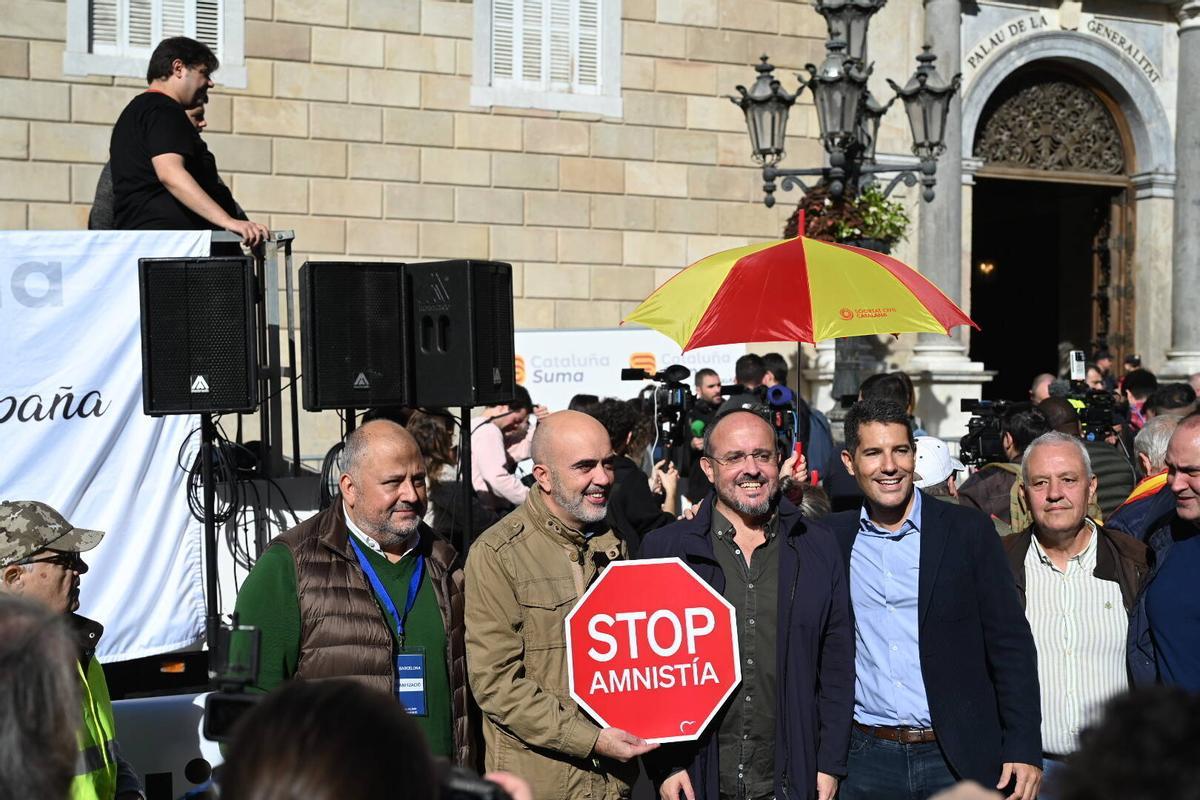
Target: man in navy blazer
784, 733
946, 684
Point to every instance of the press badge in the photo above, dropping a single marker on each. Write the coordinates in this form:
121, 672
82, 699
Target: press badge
410, 680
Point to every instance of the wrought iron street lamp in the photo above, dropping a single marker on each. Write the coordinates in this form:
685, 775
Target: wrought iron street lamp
848, 20
847, 113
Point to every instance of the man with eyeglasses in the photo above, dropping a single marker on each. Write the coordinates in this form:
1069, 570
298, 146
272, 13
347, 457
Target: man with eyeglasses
786, 731
40, 560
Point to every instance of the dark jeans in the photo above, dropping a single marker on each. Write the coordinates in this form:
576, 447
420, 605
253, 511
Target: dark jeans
883, 770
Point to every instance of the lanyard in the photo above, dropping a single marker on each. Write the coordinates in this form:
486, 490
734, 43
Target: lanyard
414, 586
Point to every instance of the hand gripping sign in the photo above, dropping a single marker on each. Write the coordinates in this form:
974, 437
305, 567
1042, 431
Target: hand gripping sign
652, 649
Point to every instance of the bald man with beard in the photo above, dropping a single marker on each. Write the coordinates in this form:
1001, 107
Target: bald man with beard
524, 576
366, 591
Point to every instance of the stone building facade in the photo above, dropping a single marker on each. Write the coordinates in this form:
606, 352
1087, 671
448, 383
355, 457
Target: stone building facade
370, 128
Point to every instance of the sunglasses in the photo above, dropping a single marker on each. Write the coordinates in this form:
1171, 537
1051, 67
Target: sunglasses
68, 560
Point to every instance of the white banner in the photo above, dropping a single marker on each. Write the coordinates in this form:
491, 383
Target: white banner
556, 365
73, 435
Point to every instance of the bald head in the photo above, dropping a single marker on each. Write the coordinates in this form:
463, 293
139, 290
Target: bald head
573, 466
383, 483
373, 436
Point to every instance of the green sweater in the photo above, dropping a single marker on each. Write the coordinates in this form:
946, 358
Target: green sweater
268, 601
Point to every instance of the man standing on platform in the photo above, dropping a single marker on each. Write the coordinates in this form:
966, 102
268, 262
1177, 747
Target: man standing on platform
524, 576
158, 165
946, 672
365, 590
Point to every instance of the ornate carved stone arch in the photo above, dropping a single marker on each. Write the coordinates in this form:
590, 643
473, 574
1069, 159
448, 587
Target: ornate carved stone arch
1047, 121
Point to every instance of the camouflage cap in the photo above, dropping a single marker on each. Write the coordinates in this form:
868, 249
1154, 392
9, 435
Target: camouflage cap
27, 526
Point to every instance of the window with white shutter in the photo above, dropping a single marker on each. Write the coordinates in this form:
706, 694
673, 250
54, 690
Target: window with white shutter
116, 37
562, 55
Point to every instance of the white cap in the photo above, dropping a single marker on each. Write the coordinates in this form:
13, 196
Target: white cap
934, 462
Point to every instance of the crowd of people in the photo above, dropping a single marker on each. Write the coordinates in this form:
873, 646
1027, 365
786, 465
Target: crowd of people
903, 628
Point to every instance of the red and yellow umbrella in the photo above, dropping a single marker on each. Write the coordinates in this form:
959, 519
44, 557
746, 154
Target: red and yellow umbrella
795, 290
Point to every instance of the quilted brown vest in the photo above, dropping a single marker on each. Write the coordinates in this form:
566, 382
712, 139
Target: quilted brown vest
342, 631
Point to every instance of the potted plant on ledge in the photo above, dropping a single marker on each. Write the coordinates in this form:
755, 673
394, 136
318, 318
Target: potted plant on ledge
867, 220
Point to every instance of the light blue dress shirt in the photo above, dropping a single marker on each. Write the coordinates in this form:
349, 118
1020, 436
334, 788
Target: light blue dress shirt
885, 570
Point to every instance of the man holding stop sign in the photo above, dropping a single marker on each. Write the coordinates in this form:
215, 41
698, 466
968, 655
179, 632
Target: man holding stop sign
786, 730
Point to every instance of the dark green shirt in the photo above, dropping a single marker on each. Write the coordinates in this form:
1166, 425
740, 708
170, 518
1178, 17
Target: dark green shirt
746, 727
268, 600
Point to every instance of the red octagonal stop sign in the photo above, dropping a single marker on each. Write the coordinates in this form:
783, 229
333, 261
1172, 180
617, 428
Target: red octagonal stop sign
652, 649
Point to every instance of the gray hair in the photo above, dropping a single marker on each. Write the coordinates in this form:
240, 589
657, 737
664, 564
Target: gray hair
39, 696
1056, 437
1152, 440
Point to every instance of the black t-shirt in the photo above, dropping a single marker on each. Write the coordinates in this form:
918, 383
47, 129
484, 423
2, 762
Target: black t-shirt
151, 125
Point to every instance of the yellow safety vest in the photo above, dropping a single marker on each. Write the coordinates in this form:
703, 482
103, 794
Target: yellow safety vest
96, 766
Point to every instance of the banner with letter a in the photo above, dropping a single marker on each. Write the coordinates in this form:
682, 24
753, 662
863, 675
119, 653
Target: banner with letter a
73, 435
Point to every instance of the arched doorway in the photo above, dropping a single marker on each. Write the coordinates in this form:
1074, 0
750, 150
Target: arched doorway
1052, 226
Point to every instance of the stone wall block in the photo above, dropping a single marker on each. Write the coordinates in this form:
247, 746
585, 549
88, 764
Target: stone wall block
686, 216
385, 162
350, 47
51, 141
656, 179
271, 193
512, 243
524, 171
405, 126
403, 16
35, 180
558, 209
385, 88
271, 117
420, 53
655, 249
487, 132
416, 201
496, 206
590, 246
625, 213
556, 136
379, 238
310, 157
279, 41
621, 283
311, 81
463, 167
556, 280
347, 198
439, 240
622, 141
592, 175
346, 122
21, 99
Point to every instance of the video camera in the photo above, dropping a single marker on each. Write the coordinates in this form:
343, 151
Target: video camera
671, 403
1094, 406
984, 442
780, 405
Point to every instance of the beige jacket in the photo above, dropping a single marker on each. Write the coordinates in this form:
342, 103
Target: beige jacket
524, 574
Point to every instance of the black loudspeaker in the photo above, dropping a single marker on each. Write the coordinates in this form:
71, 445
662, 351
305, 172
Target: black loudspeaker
199, 349
354, 335
462, 332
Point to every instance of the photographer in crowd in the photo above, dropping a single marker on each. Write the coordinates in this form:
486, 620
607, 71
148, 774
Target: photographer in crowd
990, 490
635, 506
1114, 474
703, 413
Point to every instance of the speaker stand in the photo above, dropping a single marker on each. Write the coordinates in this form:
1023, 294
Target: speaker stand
468, 486
208, 435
